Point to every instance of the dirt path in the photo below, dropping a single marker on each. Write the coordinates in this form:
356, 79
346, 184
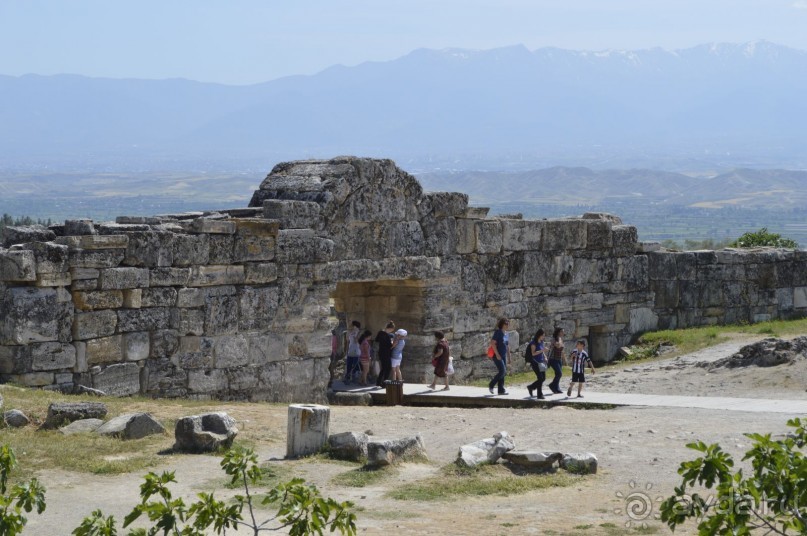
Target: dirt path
639, 450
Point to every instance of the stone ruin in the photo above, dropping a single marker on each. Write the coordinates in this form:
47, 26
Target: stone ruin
240, 304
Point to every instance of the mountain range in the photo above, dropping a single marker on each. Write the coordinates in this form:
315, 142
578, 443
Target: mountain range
710, 107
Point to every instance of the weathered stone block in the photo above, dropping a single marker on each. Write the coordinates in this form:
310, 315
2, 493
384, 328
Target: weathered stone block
97, 299
489, 236
15, 359
466, 236
207, 381
221, 315
292, 214
19, 234
123, 278
520, 235
666, 293
131, 426
136, 346
148, 319
256, 227
625, 240
167, 277
307, 430
191, 322
17, 265
95, 241
150, 249
195, 352
133, 298
599, 235
79, 227
800, 297
213, 226
565, 235
231, 351
29, 314
102, 258
191, 250
104, 350
260, 273
204, 433
662, 266
302, 246
121, 379
53, 280
94, 324
158, 297
52, 356
84, 273
257, 307
204, 276
61, 413
50, 258
642, 319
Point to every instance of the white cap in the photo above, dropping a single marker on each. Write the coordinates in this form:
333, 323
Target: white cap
401, 333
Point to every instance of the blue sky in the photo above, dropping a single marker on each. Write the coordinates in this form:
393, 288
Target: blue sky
248, 41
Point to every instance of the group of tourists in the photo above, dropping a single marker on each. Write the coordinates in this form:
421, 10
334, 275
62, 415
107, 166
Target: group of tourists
358, 350
541, 358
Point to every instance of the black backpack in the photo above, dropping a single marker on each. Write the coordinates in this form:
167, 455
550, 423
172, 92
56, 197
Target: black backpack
528, 352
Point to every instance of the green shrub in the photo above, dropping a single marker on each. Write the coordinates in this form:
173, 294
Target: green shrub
763, 238
20, 499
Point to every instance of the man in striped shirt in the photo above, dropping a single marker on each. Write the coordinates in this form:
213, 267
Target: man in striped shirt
579, 360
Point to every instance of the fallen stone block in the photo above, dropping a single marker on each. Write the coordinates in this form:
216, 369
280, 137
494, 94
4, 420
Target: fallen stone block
131, 426
387, 452
533, 459
487, 450
204, 433
307, 429
82, 426
350, 446
342, 398
580, 463
16, 419
60, 413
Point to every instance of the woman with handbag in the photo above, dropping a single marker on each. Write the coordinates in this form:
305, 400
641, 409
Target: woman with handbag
440, 360
538, 364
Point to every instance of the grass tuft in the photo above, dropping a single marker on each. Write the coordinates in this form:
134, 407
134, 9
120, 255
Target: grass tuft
362, 477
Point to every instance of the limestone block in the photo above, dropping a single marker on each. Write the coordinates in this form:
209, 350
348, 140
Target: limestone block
504, 271
542, 269
666, 293
167, 277
707, 257
61, 413
81, 356
97, 299
50, 258
53, 280
191, 250
32, 379
466, 236
204, 433
148, 319
242, 382
662, 266
133, 298
302, 246
150, 249
84, 284
131, 426
15, 418
256, 227
104, 350
84, 273
642, 319
489, 236
29, 314
136, 346
157, 297
15, 360
584, 302
800, 297
381, 453
348, 446
447, 204
81, 426
162, 378
625, 240
307, 429
580, 463
207, 382
542, 461
267, 348
565, 235
257, 307
292, 214
163, 343
17, 265
120, 241
195, 352
220, 249
260, 273
191, 322
520, 235
399, 239
487, 450
191, 297
19, 234
121, 379
123, 278
476, 213
79, 227
598, 235
101, 258
221, 315
440, 235
94, 324
213, 226
230, 351
205, 276
52, 356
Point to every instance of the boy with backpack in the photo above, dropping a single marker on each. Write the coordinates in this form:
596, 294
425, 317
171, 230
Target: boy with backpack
579, 360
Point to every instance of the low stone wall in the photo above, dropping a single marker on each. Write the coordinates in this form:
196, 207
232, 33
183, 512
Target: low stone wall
240, 304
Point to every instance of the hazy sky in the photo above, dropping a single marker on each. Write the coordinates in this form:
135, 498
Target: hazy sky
247, 41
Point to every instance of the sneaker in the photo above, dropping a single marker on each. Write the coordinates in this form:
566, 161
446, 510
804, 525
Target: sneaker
569, 392
529, 390
541, 397
491, 390
579, 396
505, 393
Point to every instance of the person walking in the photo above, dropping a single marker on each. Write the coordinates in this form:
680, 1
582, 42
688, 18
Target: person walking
384, 340
352, 351
580, 359
556, 360
398, 344
501, 356
538, 364
440, 360
364, 356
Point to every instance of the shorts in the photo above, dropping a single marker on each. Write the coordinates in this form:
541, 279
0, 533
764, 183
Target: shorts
396, 361
578, 377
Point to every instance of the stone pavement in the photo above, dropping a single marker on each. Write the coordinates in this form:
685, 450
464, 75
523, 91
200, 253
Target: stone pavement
417, 394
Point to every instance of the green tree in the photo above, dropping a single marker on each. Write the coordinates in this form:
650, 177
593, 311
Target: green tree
763, 238
20, 499
772, 498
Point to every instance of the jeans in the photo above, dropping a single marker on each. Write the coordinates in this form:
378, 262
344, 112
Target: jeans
538, 384
352, 368
498, 379
555, 364
386, 368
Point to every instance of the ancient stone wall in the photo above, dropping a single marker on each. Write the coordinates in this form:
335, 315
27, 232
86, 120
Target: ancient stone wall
240, 304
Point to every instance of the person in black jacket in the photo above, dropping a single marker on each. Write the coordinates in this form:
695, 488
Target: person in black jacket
384, 340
